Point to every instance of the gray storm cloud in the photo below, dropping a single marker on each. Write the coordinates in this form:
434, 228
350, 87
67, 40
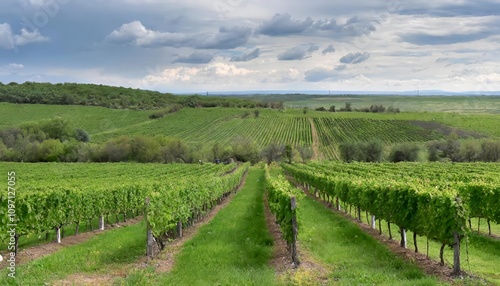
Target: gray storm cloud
354, 58
247, 57
195, 58
329, 49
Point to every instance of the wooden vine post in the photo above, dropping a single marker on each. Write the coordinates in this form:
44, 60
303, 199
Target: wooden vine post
179, 228
101, 222
295, 229
456, 248
149, 233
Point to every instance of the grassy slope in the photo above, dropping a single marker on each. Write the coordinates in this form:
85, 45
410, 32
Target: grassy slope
94, 120
101, 254
193, 124
469, 104
355, 258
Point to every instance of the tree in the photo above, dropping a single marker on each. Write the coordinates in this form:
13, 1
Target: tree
56, 128
332, 108
175, 151
404, 152
289, 153
216, 151
434, 152
50, 150
470, 152
304, 110
371, 151
490, 151
245, 150
348, 151
452, 147
81, 135
256, 112
306, 153
273, 152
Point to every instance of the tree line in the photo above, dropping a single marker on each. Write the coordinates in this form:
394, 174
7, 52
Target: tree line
451, 149
115, 97
53, 141
374, 108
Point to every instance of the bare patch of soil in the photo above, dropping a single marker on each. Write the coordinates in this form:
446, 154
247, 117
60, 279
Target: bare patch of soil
315, 139
446, 130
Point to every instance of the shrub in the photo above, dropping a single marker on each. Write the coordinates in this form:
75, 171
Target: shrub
490, 151
348, 151
404, 152
81, 135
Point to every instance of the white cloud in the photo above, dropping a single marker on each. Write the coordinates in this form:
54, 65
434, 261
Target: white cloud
27, 37
6, 37
210, 73
136, 33
9, 40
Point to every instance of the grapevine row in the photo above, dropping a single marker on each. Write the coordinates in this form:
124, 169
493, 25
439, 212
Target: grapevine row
283, 204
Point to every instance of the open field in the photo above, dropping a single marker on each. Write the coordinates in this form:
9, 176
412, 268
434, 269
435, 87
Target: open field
458, 104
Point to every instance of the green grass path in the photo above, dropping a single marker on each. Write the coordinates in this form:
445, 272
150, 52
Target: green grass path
101, 254
233, 249
353, 257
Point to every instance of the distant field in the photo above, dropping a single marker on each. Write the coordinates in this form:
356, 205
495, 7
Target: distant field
460, 104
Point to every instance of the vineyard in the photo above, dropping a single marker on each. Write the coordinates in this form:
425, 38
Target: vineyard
207, 126
57, 195
432, 200
332, 131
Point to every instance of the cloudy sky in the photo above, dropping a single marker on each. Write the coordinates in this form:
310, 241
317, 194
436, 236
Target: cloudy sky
220, 45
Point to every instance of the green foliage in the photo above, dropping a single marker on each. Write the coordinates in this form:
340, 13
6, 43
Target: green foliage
256, 112
336, 133
273, 153
362, 152
82, 135
54, 195
182, 200
404, 152
289, 153
108, 96
430, 199
280, 193
245, 150
455, 150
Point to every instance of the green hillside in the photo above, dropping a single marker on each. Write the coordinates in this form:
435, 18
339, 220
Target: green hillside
207, 126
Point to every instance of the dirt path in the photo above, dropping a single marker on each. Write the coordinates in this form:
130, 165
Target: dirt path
315, 139
34, 252
165, 260
429, 266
